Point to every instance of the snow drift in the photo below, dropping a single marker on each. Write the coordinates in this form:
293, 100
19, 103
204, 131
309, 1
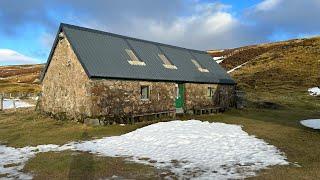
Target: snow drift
311, 123
8, 104
188, 148
315, 91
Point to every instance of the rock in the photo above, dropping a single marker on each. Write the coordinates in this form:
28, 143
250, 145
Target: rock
36, 81
93, 122
268, 105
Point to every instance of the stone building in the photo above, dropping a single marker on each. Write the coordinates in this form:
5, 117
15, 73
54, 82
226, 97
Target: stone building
95, 74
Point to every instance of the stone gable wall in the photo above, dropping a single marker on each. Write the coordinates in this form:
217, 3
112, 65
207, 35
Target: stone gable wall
120, 98
64, 87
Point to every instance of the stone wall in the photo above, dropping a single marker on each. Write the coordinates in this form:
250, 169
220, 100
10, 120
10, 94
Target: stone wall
196, 96
64, 87
225, 96
120, 98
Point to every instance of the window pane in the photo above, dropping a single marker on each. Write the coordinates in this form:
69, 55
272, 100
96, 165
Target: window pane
200, 68
144, 92
209, 92
132, 56
164, 59
196, 63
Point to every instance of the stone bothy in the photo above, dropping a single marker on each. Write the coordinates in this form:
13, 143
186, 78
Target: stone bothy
95, 74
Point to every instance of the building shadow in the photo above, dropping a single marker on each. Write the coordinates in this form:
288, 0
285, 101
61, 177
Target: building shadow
81, 166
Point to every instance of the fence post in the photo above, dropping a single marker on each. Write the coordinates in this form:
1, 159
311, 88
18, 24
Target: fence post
1, 103
14, 104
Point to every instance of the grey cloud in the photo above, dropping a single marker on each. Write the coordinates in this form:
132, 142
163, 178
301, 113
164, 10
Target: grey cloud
177, 22
290, 16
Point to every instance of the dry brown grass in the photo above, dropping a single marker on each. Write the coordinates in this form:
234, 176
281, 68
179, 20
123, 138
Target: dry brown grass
20, 78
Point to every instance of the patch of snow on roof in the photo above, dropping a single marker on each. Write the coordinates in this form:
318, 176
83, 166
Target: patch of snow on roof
311, 123
190, 149
315, 91
238, 67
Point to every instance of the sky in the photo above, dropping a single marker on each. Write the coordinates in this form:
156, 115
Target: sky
28, 28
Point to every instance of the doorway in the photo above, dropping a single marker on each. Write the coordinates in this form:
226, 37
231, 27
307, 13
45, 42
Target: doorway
180, 88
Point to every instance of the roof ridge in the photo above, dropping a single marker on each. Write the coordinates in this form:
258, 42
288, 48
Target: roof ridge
127, 37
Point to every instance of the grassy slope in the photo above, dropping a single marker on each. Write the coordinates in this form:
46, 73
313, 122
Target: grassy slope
20, 78
279, 72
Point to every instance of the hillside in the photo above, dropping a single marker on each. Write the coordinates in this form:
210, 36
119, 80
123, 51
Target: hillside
20, 78
279, 72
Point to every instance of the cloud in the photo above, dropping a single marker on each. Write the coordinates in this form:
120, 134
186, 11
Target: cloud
189, 23
9, 57
198, 31
205, 26
47, 39
267, 5
287, 16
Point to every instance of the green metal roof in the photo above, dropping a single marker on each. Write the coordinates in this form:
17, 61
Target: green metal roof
103, 55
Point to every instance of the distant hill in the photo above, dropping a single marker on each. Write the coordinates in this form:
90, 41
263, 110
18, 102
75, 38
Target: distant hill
20, 78
284, 69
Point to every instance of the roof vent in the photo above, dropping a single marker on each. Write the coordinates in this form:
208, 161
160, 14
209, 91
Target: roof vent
61, 35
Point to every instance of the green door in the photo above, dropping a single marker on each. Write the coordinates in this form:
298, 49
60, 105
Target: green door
180, 96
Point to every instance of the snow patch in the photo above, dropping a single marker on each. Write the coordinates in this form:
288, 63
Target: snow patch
311, 123
218, 59
315, 91
238, 67
190, 149
8, 104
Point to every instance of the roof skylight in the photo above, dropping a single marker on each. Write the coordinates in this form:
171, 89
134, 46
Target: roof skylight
134, 60
200, 68
166, 62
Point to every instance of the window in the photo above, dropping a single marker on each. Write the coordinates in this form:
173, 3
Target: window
210, 91
166, 62
199, 66
134, 59
145, 92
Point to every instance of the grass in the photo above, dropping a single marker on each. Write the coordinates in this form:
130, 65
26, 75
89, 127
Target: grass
28, 128
76, 165
12, 87
278, 127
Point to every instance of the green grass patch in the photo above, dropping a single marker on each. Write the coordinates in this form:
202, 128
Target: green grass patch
80, 165
29, 128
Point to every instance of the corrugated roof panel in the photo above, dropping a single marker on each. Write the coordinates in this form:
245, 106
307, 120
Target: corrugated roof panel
104, 55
